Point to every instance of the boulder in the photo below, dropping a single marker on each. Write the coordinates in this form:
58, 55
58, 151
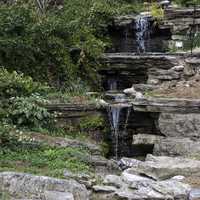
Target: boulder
27, 186
179, 125
173, 146
125, 163
132, 178
139, 187
163, 167
113, 180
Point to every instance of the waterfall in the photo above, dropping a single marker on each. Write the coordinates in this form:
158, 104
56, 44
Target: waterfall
112, 84
114, 118
114, 111
142, 32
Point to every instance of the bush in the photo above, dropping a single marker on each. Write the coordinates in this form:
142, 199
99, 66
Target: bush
40, 45
15, 84
22, 101
29, 112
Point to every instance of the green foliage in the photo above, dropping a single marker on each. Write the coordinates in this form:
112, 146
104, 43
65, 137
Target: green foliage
14, 84
45, 160
92, 123
157, 12
6, 134
40, 45
34, 45
21, 103
29, 112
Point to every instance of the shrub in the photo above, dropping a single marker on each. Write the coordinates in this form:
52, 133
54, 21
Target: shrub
29, 112
40, 45
15, 84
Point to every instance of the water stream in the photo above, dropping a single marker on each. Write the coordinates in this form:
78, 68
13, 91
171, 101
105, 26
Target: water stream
112, 84
142, 32
115, 110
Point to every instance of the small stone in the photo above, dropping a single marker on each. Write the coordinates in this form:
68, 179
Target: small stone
178, 68
106, 189
52, 195
113, 180
139, 95
130, 91
125, 163
153, 81
129, 178
178, 178
194, 194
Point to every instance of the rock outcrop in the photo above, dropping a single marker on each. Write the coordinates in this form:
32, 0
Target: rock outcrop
179, 125
163, 167
173, 146
132, 186
27, 186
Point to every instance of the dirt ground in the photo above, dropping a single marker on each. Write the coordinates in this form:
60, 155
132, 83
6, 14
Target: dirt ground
183, 89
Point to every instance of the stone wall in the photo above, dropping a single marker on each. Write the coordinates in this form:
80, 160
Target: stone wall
89, 120
180, 22
153, 69
170, 33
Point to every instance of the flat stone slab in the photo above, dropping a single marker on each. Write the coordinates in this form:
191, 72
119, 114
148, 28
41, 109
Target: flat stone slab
167, 105
164, 167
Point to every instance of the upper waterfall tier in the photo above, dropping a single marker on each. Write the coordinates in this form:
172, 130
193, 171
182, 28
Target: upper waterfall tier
140, 33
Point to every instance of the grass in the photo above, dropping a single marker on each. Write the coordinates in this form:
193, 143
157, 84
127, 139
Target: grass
44, 160
5, 196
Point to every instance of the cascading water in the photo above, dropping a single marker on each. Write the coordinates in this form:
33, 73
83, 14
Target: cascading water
114, 118
114, 111
112, 84
142, 32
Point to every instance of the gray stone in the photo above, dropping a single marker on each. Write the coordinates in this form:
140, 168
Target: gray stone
106, 189
178, 68
168, 105
52, 195
179, 125
173, 146
124, 20
148, 189
36, 187
132, 178
163, 167
194, 194
137, 187
84, 179
113, 180
146, 139
125, 163
189, 70
164, 189
162, 74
